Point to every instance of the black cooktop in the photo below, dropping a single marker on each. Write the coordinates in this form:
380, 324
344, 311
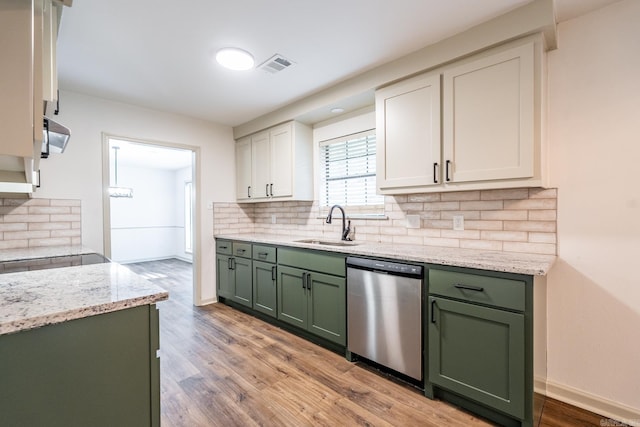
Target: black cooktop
51, 262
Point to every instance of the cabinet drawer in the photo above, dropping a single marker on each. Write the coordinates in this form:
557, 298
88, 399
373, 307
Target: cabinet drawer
242, 249
314, 261
223, 247
264, 253
493, 291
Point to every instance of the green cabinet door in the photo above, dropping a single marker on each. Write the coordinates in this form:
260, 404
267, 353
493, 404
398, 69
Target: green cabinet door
264, 288
292, 296
243, 281
327, 307
224, 276
98, 371
478, 352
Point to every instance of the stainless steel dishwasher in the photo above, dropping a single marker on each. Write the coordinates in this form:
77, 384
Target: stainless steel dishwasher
384, 314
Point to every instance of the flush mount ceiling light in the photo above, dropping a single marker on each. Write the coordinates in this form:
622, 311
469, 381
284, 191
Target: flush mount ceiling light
235, 59
337, 110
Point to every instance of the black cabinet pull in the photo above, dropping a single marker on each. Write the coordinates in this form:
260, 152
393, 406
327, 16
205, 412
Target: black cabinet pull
273, 273
446, 169
263, 254
266, 190
223, 247
241, 251
309, 281
435, 173
469, 288
229, 264
233, 263
304, 280
249, 192
271, 190
433, 311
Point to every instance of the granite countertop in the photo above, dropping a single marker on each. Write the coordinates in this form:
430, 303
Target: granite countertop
37, 298
43, 252
509, 262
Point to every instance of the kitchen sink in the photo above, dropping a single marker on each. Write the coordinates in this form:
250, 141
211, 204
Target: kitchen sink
328, 242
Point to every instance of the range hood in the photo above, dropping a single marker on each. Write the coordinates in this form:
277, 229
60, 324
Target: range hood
54, 138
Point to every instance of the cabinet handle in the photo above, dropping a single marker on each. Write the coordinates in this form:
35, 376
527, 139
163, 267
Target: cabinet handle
233, 263
263, 254
469, 288
309, 281
249, 192
435, 173
241, 251
229, 264
304, 280
223, 247
266, 190
446, 169
273, 273
271, 190
433, 311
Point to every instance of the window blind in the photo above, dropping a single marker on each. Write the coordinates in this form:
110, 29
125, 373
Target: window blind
348, 171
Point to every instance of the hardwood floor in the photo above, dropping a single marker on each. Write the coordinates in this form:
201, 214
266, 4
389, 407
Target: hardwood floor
221, 367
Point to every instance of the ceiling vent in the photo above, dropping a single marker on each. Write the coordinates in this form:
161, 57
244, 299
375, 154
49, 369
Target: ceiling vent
276, 64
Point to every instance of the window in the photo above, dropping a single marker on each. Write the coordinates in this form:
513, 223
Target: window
348, 171
188, 217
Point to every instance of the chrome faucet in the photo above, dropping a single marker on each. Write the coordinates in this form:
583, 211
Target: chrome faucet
346, 229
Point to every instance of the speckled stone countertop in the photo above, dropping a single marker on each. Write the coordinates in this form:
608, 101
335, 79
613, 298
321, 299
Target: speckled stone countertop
42, 252
37, 298
510, 262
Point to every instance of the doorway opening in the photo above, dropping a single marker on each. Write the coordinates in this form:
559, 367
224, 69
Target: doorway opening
150, 199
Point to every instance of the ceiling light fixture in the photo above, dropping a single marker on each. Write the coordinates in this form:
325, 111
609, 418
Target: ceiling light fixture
337, 110
235, 59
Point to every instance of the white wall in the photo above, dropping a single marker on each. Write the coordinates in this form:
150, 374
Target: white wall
150, 225
77, 174
594, 135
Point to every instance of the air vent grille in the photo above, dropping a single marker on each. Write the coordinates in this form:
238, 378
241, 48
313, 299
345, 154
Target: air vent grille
275, 64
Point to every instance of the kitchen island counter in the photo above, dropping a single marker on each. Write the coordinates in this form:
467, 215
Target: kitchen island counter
508, 262
37, 298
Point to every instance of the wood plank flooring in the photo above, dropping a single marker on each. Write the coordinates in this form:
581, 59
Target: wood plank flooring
221, 367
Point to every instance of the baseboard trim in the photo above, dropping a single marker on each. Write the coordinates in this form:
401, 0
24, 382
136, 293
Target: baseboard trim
206, 302
593, 403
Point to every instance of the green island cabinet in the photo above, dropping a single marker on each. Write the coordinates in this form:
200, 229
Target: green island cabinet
95, 371
480, 336
233, 271
265, 298
312, 292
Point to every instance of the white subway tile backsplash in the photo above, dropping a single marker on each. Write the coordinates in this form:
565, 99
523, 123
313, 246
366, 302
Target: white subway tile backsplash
40, 222
518, 220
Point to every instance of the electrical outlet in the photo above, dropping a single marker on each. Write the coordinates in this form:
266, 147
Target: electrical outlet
273, 219
413, 221
458, 222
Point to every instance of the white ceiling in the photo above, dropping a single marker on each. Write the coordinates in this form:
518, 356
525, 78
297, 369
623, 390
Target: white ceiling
158, 53
140, 155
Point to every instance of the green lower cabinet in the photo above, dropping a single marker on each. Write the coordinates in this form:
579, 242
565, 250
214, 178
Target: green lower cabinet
225, 277
96, 371
264, 288
243, 282
478, 352
234, 279
313, 301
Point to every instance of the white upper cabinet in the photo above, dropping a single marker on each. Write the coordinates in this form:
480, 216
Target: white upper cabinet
491, 125
243, 169
488, 112
28, 29
408, 133
281, 164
